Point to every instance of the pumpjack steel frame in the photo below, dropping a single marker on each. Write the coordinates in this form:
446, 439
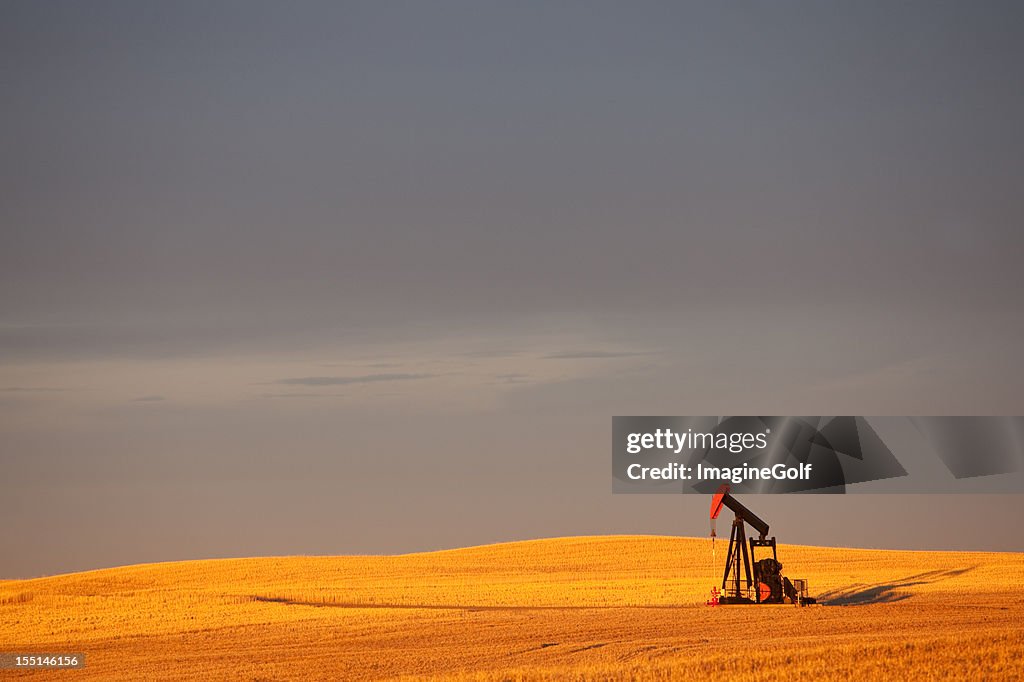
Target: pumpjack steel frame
738, 580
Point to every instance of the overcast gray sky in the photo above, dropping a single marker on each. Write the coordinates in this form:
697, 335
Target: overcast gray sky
326, 278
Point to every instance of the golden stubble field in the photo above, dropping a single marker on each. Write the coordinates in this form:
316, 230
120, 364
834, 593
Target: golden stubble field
612, 607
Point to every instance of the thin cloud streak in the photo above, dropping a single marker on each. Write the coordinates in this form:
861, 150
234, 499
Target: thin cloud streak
32, 389
592, 354
345, 381
512, 378
302, 395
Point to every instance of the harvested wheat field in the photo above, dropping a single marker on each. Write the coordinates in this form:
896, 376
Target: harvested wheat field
619, 607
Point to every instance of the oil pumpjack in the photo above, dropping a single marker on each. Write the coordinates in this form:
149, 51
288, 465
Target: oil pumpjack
765, 584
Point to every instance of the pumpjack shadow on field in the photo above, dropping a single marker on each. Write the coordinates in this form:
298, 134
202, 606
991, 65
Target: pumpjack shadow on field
887, 592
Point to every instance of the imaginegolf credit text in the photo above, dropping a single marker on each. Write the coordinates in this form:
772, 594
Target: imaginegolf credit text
675, 471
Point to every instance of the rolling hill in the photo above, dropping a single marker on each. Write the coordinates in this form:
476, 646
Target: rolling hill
619, 607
